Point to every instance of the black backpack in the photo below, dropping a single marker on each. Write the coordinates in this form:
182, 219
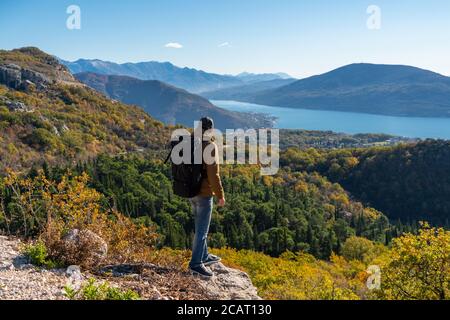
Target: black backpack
187, 177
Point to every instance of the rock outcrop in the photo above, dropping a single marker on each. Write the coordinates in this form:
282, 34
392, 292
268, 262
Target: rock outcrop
18, 78
15, 106
228, 284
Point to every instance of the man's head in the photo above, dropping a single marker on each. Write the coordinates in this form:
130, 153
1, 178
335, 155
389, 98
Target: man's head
207, 123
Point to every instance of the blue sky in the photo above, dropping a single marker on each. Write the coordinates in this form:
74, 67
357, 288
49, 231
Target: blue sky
300, 37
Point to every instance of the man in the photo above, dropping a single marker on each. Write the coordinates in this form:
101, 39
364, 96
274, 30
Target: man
202, 204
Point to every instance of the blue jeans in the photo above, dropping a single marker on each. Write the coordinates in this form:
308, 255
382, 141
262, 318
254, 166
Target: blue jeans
202, 210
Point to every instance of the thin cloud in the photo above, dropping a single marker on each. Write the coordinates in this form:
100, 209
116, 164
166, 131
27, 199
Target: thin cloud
174, 45
224, 44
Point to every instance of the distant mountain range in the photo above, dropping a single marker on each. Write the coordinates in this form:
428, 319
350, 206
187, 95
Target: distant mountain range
366, 88
167, 103
246, 91
258, 77
193, 80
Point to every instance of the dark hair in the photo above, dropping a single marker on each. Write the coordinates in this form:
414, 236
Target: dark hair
207, 123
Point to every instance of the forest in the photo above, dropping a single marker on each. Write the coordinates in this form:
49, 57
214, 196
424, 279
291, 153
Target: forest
295, 211
413, 266
408, 182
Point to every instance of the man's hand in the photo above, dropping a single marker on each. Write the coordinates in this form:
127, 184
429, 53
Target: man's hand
221, 202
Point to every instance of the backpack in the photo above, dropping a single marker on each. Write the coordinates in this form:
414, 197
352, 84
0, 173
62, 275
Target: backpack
187, 177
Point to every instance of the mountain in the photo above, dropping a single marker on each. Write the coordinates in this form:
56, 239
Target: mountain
253, 77
47, 115
192, 80
367, 88
31, 64
246, 91
165, 102
189, 79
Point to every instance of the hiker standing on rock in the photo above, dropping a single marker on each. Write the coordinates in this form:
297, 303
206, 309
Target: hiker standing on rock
200, 182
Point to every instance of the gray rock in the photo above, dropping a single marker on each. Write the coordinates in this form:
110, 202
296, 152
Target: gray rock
19, 78
16, 106
7, 266
55, 131
84, 248
10, 76
64, 128
228, 284
26, 266
38, 79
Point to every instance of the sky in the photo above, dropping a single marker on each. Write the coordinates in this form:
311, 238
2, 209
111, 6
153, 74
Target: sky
299, 37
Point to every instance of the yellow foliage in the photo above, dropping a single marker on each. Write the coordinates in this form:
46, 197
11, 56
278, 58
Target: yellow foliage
302, 187
71, 204
351, 162
417, 267
296, 276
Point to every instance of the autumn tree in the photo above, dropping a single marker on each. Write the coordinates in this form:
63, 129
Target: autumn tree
418, 267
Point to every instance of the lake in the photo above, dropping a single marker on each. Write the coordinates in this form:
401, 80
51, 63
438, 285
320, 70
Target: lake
347, 122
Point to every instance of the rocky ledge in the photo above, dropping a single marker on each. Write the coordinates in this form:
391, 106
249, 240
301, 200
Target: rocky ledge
20, 280
229, 284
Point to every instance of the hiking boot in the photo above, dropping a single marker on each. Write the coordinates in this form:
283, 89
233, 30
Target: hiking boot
201, 271
211, 259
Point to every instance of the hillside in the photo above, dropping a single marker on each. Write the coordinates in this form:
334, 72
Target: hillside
408, 182
166, 103
368, 88
33, 60
46, 115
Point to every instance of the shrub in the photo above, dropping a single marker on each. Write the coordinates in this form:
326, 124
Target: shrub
42, 138
357, 248
99, 291
38, 255
50, 209
292, 276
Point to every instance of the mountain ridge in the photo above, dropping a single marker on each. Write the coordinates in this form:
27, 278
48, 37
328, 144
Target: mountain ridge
165, 102
191, 79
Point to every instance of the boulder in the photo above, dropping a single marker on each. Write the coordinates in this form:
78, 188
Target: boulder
84, 248
228, 284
